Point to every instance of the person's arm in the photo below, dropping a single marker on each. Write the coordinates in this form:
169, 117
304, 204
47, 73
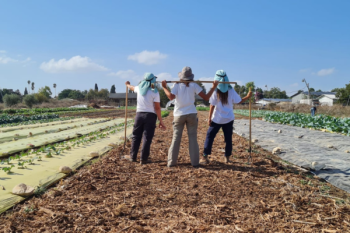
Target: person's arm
159, 114
167, 92
211, 110
127, 83
207, 96
246, 97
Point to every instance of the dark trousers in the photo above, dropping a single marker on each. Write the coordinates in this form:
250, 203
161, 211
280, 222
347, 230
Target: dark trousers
144, 127
213, 130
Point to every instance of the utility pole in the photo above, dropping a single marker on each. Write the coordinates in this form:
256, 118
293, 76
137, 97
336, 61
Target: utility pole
307, 85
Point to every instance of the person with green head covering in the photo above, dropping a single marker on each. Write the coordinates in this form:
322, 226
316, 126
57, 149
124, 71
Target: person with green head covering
147, 111
221, 115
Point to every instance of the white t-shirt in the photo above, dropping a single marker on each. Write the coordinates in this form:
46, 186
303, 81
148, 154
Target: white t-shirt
185, 98
223, 114
145, 103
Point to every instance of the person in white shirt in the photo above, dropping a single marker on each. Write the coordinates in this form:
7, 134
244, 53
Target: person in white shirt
221, 115
148, 108
185, 113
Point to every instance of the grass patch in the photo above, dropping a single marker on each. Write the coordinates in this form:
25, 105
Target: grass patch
203, 108
165, 113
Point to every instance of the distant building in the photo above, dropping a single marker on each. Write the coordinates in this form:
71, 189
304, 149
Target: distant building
119, 98
298, 97
328, 100
266, 101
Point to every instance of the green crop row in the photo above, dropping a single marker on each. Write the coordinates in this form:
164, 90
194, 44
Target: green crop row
31, 122
333, 124
35, 111
57, 148
8, 119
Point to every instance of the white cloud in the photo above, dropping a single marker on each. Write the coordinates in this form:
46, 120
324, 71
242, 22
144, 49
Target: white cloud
5, 60
148, 57
2, 51
325, 72
126, 74
76, 63
294, 85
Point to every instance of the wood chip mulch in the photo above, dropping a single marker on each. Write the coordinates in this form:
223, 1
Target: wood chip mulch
113, 195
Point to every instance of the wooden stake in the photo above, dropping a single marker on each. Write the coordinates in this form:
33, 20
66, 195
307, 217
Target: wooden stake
126, 114
250, 130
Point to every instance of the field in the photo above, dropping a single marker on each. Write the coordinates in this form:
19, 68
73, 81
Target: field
113, 195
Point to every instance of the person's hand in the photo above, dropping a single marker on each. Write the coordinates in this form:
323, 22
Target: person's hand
162, 126
127, 83
164, 83
215, 83
209, 122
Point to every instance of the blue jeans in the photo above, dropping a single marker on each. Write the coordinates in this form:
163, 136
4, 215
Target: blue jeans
312, 112
213, 130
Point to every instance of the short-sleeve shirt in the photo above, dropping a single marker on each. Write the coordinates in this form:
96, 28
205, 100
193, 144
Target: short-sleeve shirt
145, 103
223, 114
185, 98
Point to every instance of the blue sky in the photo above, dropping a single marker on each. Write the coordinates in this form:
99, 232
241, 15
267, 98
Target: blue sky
76, 44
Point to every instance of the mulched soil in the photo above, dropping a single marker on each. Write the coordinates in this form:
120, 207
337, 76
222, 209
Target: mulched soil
112, 195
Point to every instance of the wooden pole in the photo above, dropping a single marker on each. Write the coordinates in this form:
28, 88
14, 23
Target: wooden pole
250, 130
126, 114
196, 81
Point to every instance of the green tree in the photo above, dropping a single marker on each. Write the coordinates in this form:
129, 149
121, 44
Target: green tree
11, 99
103, 93
54, 86
92, 94
25, 91
64, 94
46, 91
29, 100
112, 89
259, 94
312, 89
275, 93
41, 97
96, 87
76, 94
344, 94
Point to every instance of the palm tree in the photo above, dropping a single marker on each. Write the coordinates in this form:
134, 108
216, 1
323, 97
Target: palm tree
28, 85
33, 87
54, 86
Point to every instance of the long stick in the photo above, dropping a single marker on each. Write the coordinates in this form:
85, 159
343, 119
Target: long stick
196, 81
250, 131
126, 114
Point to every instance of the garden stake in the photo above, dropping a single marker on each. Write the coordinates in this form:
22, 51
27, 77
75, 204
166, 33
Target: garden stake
126, 116
250, 131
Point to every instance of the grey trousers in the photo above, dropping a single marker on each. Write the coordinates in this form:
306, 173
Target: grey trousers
191, 122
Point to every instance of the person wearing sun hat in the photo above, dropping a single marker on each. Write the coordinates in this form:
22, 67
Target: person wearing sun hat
147, 111
221, 115
185, 113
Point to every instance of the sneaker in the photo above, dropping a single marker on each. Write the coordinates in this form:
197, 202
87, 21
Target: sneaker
204, 160
128, 158
145, 161
227, 159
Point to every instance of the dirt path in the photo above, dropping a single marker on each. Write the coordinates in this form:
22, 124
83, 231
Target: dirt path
113, 195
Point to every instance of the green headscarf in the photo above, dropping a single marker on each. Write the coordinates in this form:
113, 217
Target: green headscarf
146, 84
222, 77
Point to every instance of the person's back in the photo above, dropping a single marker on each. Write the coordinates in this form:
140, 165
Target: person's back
185, 98
145, 103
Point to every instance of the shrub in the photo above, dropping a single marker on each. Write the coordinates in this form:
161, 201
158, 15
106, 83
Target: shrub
29, 100
40, 98
11, 99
